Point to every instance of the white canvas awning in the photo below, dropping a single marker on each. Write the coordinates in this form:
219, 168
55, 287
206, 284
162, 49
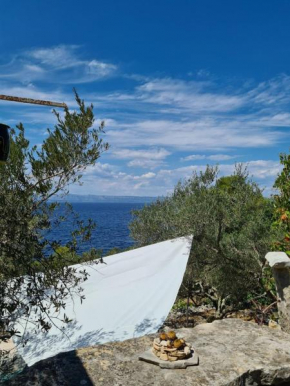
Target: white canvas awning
129, 296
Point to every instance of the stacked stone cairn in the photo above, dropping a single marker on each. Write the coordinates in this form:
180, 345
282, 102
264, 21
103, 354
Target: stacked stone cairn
169, 348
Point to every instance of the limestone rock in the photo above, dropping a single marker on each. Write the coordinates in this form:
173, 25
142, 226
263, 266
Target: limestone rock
231, 352
273, 324
278, 260
280, 264
172, 363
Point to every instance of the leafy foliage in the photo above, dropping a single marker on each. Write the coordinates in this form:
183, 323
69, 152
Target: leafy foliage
230, 221
282, 206
30, 263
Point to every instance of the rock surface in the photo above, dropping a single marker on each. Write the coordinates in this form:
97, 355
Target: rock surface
232, 352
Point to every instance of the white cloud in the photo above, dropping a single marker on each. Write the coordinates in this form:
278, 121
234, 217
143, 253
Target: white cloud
60, 64
151, 125
273, 91
213, 157
196, 96
148, 175
221, 157
194, 157
145, 163
101, 170
155, 154
55, 57
198, 115
107, 179
205, 133
262, 169
202, 73
142, 158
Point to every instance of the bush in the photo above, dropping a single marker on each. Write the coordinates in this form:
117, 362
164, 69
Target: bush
230, 221
282, 206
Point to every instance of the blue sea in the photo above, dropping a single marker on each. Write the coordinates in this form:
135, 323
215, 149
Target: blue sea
112, 221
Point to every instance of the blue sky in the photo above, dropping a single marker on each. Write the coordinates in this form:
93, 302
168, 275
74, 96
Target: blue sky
180, 84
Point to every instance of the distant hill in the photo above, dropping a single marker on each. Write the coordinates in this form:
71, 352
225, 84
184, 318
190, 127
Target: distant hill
106, 199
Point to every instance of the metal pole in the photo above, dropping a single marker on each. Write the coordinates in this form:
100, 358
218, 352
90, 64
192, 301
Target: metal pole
33, 101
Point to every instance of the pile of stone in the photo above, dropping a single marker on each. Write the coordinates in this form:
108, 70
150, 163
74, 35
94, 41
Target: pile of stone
169, 348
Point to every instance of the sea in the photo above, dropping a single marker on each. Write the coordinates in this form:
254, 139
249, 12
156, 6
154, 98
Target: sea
112, 221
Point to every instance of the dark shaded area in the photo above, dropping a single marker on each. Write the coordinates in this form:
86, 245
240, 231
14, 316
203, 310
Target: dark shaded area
49, 372
67, 368
11, 367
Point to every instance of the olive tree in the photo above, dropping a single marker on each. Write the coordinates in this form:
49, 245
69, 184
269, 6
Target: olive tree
230, 221
282, 206
35, 273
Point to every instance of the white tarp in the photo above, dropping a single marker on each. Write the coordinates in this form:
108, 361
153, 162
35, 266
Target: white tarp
129, 296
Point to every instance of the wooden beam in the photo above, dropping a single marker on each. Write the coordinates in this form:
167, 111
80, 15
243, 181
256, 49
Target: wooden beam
32, 101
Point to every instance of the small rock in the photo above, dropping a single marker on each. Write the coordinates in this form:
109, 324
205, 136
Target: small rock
172, 359
273, 324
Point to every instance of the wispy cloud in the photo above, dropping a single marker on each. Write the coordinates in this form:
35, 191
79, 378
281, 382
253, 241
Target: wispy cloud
200, 134
154, 124
198, 115
270, 92
60, 64
198, 96
212, 157
143, 158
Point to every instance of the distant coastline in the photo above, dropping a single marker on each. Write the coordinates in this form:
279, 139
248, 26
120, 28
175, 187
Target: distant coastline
91, 198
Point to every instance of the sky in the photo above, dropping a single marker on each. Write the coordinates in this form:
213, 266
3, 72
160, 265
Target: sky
179, 84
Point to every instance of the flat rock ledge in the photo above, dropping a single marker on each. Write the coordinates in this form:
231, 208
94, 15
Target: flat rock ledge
232, 352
